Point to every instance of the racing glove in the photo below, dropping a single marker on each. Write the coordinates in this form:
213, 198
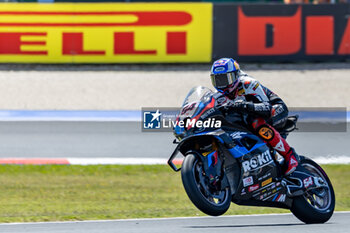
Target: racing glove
257, 109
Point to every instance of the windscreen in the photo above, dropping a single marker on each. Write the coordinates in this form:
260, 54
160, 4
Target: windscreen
193, 99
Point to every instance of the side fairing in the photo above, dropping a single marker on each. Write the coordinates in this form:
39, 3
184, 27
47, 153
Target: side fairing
258, 172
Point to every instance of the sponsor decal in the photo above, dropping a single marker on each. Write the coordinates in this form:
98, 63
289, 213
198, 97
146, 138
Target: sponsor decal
280, 146
106, 32
293, 161
253, 188
267, 190
308, 182
206, 153
218, 69
237, 135
241, 92
276, 110
248, 181
256, 86
264, 176
221, 100
280, 121
207, 113
257, 161
260, 108
221, 62
281, 198
243, 192
186, 109
256, 194
273, 196
275, 190
266, 182
212, 159
266, 133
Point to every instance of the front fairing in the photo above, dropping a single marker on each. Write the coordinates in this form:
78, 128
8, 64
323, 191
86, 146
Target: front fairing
198, 105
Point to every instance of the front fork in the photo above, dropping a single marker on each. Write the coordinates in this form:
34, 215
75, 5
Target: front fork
213, 166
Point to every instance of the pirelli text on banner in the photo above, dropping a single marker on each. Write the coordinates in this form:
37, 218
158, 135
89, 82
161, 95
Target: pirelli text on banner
106, 32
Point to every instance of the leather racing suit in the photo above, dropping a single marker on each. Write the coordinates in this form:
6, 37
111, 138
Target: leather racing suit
266, 113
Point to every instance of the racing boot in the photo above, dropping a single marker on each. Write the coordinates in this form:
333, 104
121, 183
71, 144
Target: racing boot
273, 138
291, 162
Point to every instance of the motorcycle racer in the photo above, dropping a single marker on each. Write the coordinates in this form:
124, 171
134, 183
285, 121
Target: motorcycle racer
266, 111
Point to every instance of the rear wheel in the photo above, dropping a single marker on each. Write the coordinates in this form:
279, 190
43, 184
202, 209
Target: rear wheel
207, 199
317, 205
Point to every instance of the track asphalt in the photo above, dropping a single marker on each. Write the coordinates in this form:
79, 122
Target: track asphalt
285, 223
125, 140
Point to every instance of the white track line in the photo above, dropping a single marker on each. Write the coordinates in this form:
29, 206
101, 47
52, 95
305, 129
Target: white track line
156, 219
118, 161
333, 160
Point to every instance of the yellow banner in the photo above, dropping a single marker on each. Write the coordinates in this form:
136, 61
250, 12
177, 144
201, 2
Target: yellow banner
105, 32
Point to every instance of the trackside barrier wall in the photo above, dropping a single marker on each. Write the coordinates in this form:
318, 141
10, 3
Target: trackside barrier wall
172, 32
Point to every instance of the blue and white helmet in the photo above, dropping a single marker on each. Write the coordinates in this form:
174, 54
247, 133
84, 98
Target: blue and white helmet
223, 74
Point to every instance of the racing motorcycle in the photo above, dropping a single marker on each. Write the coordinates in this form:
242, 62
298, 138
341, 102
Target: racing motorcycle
224, 162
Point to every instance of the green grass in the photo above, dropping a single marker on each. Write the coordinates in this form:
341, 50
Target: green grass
59, 192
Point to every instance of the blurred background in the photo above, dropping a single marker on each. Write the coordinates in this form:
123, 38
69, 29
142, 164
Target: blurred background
74, 75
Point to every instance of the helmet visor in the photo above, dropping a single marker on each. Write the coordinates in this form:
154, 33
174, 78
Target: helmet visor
221, 81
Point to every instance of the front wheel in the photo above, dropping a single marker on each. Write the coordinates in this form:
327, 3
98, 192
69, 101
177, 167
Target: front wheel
211, 201
317, 205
